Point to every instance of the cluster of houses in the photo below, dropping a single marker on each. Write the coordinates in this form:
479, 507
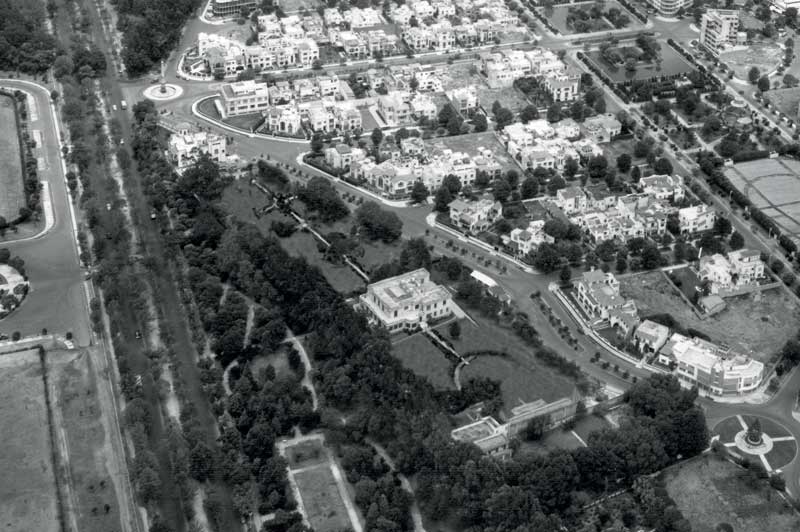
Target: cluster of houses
442, 25
400, 167
294, 41
186, 145
502, 68
540, 143
714, 369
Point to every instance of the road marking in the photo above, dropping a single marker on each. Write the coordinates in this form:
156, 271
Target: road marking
765, 462
741, 422
579, 438
783, 438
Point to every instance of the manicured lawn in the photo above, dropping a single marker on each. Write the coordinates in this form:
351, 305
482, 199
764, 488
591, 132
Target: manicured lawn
555, 439
522, 378
589, 424
12, 194
709, 491
418, 354
758, 328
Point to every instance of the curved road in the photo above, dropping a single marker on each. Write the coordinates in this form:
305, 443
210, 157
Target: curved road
51, 260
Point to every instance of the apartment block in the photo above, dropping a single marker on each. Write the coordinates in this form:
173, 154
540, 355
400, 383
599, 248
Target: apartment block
696, 219
475, 216
719, 29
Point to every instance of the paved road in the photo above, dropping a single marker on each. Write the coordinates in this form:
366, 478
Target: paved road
56, 301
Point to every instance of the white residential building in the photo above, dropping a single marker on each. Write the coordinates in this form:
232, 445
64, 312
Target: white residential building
663, 187
571, 200
650, 336
185, 148
719, 29
598, 293
696, 219
475, 216
407, 301
669, 8
342, 156
741, 268
523, 241
602, 128
244, 97
713, 369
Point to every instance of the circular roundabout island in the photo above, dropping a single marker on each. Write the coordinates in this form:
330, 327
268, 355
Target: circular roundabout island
758, 437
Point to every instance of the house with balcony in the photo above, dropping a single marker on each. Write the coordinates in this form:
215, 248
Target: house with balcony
475, 216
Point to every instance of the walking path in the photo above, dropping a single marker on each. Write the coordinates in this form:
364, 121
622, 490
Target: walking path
416, 515
307, 363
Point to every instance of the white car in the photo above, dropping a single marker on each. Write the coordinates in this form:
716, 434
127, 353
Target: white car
114, 107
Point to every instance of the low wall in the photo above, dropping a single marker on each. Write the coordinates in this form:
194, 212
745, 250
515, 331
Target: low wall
749, 289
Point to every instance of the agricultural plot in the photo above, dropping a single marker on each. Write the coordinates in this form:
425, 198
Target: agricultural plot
773, 185
758, 326
710, 491
28, 494
12, 193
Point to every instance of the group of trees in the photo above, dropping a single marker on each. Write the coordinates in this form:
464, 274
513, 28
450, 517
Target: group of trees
151, 29
356, 373
25, 44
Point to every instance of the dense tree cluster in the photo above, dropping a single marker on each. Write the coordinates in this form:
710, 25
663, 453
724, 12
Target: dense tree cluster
356, 373
320, 196
151, 29
25, 45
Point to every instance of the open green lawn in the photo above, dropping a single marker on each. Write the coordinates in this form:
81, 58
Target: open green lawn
522, 378
418, 354
28, 492
709, 490
12, 193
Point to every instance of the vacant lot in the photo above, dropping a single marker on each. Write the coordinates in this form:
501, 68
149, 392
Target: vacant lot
82, 430
765, 56
710, 491
28, 496
758, 327
321, 499
294, 6
472, 144
773, 186
418, 354
786, 100
12, 193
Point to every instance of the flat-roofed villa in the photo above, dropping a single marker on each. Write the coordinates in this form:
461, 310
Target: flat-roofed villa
407, 301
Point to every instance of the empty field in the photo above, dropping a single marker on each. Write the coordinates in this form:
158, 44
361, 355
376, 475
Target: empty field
28, 495
710, 491
12, 193
755, 326
764, 56
472, 143
321, 500
418, 354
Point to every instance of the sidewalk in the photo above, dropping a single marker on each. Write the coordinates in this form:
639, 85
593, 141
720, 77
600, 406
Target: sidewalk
232, 129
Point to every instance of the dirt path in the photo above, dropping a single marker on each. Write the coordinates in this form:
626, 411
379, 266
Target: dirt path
307, 363
416, 515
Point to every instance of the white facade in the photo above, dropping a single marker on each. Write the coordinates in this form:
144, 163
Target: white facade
406, 301
719, 29
696, 219
186, 148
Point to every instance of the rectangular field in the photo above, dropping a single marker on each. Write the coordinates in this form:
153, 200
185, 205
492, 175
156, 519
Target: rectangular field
709, 491
28, 494
12, 192
84, 433
321, 499
755, 327
772, 185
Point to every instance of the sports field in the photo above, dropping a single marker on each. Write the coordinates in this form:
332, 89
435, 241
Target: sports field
773, 185
28, 496
12, 194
